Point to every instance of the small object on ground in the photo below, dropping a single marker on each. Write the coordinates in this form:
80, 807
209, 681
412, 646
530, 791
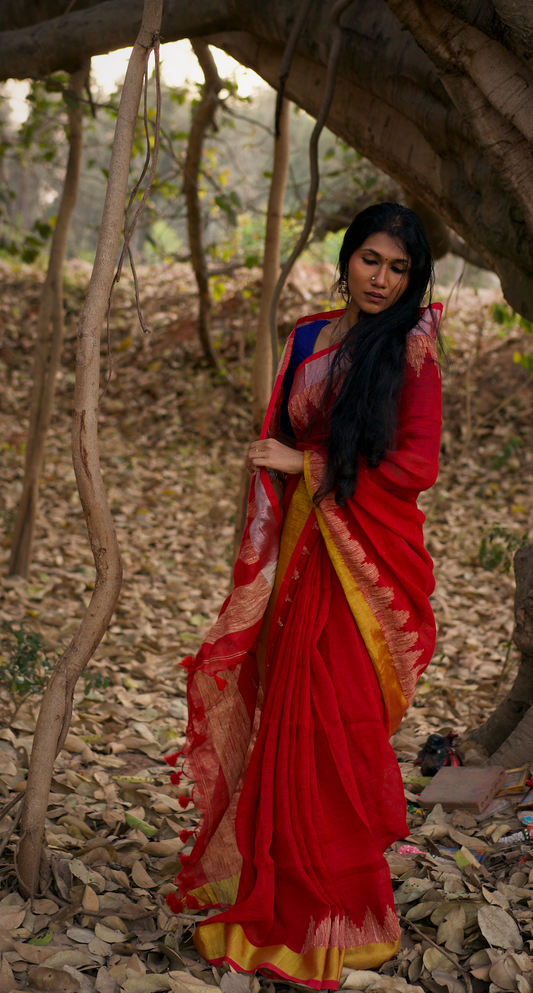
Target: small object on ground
410, 850
458, 787
437, 752
496, 806
516, 837
526, 802
516, 781
526, 816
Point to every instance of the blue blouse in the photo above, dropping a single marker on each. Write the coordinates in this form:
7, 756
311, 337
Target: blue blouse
302, 347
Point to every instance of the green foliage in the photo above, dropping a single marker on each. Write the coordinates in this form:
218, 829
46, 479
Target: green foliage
94, 681
497, 548
502, 314
29, 246
525, 360
504, 455
24, 663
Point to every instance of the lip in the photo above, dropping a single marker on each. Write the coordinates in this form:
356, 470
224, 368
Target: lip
375, 297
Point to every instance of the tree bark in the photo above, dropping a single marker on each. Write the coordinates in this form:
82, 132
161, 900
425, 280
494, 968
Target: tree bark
262, 368
508, 733
50, 333
203, 119
441, 238
56, 708
431, 121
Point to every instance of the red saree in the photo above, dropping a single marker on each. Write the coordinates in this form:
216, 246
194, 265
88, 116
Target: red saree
295, 691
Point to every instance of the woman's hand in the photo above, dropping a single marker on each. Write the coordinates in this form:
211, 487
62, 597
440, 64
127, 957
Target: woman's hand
271, 454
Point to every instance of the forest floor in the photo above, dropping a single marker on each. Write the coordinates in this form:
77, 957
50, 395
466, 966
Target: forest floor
172, 439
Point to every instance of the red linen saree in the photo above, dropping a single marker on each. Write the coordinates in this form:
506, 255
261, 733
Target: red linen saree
295, 690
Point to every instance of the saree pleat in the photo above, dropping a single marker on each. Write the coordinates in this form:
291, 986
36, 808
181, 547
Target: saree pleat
322, 796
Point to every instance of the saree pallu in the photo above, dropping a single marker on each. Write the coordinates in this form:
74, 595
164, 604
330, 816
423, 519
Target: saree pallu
293, 694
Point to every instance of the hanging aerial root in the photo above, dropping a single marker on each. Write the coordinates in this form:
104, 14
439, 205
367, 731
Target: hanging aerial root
130, 224
333, 61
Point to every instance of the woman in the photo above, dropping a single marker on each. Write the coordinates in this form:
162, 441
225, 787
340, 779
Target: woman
315, 655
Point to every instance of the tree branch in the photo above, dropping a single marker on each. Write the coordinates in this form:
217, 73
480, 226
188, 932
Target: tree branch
65, 42
16, 14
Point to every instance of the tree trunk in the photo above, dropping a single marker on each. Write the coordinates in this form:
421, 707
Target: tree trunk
508, 733
56, 708
50, 332
203, 118
262, 369
441, 238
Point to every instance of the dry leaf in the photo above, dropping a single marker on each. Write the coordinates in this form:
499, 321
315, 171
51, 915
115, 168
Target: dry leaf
235, 982
90, 901
105, 983
109, 935
81, 934
451, 931
411, 890
433, 959
147, 984
140, 876
32, 953
53, 980
445, 979
11, 917
69, 956
358, 979
504, 973
499, 928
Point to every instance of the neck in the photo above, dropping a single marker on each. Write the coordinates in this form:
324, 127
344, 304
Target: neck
352, 314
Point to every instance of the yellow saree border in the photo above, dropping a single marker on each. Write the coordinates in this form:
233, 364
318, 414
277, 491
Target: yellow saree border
222, 891
217, 942
373, 637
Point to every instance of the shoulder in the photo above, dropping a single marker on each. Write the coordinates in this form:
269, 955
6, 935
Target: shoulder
330, 315
421, 340
428, 321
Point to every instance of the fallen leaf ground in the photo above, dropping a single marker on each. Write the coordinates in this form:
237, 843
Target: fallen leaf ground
172, 440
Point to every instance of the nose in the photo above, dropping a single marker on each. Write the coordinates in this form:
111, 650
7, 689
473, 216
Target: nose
380, 276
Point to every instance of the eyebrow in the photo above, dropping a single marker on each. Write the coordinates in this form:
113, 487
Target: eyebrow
372, 251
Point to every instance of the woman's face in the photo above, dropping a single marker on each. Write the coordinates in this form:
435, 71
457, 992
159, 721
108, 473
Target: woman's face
378, 274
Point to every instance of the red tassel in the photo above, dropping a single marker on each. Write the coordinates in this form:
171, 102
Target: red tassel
191, 902
175, 778
183, 801
185, 835
188, 662
221, 683
198, 739
176, 905
172, 759
184, 859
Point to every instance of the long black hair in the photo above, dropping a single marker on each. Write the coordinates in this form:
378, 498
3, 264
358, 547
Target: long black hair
363, 416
